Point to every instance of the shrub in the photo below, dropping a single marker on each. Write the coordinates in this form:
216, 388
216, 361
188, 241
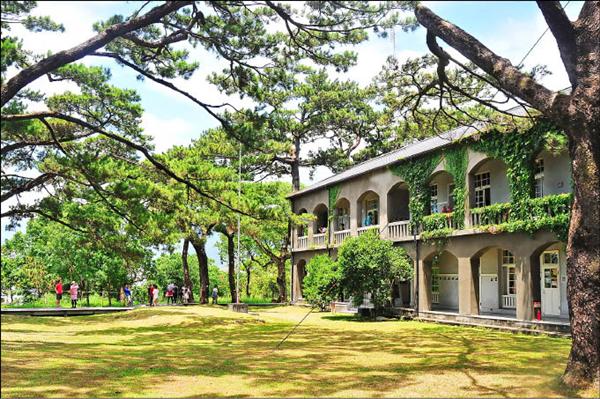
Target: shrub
369, 264
321, 284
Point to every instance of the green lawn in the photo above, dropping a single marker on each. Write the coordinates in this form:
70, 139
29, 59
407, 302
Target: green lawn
208, 351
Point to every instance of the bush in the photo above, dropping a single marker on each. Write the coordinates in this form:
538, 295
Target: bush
368, 264
321, 284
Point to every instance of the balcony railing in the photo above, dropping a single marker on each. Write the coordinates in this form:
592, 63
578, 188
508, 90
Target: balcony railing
490, 215
362, 230
399, 230
340, 236
439, 221
302, 242
508, 301
551, 206
319, 240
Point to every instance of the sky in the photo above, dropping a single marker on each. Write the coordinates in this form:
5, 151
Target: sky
507, 28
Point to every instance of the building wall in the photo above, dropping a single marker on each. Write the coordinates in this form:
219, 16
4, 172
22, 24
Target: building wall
474, 252
557, 173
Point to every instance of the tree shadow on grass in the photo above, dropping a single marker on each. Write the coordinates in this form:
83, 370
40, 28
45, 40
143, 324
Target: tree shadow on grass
314, 361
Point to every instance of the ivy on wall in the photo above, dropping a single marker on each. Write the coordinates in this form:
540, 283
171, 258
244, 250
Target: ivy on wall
333, 193
517, 149
456, 165
546, 213
416, 174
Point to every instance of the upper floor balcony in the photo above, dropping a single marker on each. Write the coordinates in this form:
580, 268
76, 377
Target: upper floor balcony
382, 201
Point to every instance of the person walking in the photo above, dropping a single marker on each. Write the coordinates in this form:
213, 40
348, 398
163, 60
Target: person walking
127, 291
176, 294
150, 295
169, 293
155, 294
73, 291
215, 296
185, 293
58, 289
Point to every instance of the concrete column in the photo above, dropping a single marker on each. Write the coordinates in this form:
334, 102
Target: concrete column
524, 287
424, 286
383, 215
353, 217
467, 290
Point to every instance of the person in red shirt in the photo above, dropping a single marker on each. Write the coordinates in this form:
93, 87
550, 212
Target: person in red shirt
59, 291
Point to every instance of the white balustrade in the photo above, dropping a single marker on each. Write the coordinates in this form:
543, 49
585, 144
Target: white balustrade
362, 230
340, 236
399, 230
508, 301
475, 219
319, 240
435, 297
302, 242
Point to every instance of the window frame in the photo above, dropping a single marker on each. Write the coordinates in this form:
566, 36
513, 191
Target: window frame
509, 275
485, 190
538, 177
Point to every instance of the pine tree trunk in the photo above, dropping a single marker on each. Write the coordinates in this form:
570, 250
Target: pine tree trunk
583, 249
281, 281
248, 282
187, 280
200, 247
295, 166
231, 266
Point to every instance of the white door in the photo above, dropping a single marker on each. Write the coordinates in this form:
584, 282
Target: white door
448, 291
488, 292
550, 283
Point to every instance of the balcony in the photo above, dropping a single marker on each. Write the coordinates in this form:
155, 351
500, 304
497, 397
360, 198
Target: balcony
508, 301
543, 212
301, 243
362, 230
439, 221
340, 236
490, 215
399, 230
550, 206
319, 240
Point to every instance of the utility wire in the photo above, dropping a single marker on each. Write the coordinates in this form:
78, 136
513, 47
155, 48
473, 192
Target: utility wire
394, 39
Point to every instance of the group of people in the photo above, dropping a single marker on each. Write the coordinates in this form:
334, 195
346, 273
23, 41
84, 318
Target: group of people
173, 294
73, 291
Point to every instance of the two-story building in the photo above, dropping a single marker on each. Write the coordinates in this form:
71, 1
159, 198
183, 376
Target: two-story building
486, 241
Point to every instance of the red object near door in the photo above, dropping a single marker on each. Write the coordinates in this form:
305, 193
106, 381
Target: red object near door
537, 310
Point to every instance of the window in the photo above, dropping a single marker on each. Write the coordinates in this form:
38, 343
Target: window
342, 220
508, 271
539, 177
508, 258
435, 279
433, 189
482, 189
451, 196
551, 258
372, 212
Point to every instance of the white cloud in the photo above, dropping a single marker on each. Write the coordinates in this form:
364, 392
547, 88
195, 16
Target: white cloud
168, 131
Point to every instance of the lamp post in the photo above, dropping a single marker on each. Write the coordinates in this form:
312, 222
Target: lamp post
239, 227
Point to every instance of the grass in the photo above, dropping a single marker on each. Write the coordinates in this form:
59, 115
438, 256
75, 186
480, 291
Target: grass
209, 351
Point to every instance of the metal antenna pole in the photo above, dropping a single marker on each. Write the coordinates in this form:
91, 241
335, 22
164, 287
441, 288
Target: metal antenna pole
239, 231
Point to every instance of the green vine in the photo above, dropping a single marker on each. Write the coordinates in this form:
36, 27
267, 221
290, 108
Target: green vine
416, 174
550, 213
456, 165
517, 150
